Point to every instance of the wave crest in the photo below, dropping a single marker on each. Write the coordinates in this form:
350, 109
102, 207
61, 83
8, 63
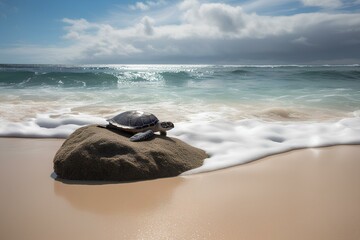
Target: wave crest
23, 79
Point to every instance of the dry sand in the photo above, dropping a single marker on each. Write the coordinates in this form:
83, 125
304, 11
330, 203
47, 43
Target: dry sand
303, 194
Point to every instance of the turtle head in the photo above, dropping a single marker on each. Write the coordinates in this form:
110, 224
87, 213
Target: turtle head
165, 126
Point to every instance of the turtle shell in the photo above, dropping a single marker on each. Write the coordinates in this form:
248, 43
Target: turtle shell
134, 120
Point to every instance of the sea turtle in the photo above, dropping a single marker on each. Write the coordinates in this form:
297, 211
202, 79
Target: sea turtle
144, 124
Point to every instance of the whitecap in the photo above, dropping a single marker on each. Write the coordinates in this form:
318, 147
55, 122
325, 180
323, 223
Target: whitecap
233, 143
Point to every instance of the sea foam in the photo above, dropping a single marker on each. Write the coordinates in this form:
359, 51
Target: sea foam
234, 143
228, 143
236, 113
44, 126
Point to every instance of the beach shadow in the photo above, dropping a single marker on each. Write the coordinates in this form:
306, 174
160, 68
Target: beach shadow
113, 198
54, 176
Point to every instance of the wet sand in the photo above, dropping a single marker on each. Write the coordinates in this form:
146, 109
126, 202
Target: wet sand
303, 194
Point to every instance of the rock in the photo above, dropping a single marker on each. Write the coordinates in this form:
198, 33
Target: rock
96, 153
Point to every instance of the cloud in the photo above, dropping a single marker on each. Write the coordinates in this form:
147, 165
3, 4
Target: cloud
323, 3
140, 5
93, 41
224, 17
254, 6
303, 41
212, 33
146, 26
144, 6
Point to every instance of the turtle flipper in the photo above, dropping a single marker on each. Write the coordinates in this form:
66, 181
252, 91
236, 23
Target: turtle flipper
142, 136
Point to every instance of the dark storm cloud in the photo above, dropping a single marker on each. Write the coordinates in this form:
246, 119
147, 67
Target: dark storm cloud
217, 33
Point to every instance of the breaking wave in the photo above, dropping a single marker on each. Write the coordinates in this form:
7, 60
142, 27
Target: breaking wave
236, 113
24, 79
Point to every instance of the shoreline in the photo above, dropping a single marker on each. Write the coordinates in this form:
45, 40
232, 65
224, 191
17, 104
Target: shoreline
301, 194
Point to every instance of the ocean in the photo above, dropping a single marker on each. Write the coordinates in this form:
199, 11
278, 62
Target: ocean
237, 113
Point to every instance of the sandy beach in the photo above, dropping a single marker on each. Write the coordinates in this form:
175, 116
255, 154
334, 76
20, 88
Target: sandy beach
302, 194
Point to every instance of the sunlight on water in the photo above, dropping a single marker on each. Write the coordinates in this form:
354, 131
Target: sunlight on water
223, 109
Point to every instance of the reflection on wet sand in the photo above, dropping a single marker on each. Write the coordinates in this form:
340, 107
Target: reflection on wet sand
118, 198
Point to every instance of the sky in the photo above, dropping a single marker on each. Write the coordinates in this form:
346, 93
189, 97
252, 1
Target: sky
180, 32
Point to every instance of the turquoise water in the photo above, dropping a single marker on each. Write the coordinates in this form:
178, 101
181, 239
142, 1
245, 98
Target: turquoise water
334, 88
213, 107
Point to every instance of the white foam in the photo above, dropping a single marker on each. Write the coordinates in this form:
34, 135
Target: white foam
227, 142
234, 143
44, 126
